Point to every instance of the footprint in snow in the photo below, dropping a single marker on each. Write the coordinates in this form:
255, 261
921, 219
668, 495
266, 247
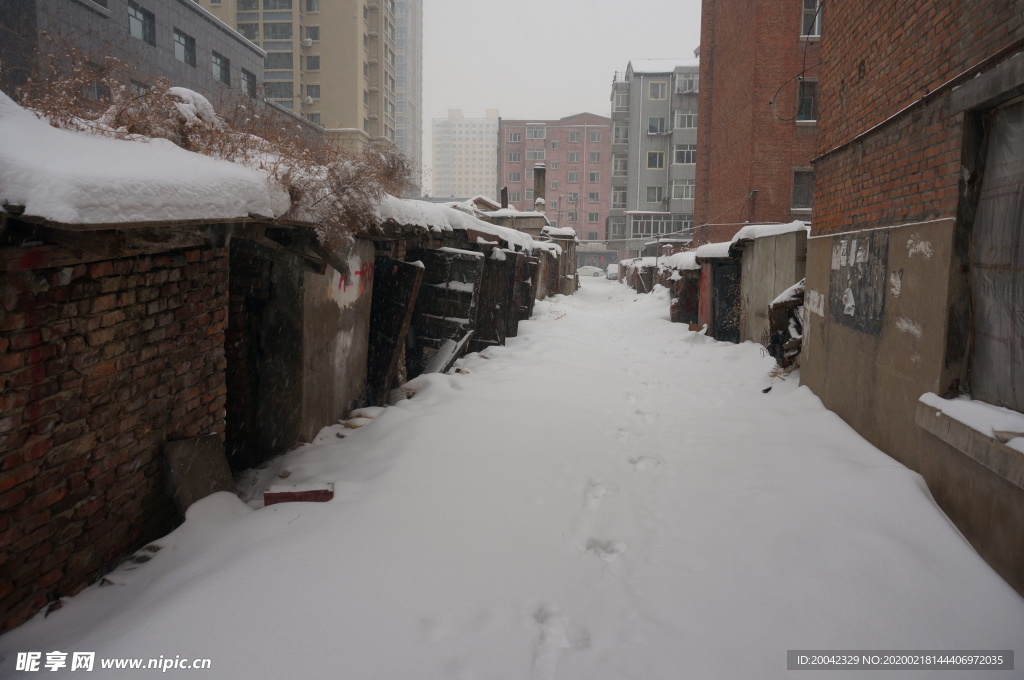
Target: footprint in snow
645, 462
608, 551
558, 634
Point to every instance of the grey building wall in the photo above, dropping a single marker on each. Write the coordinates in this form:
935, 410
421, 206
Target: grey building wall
409, 87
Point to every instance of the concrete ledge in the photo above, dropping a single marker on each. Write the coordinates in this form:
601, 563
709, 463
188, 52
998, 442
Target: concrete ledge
991, 88
1006, 462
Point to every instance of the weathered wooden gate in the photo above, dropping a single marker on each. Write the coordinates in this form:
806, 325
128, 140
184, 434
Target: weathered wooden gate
725, 301
396, 288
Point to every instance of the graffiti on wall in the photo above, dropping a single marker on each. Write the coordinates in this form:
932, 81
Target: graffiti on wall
345, 290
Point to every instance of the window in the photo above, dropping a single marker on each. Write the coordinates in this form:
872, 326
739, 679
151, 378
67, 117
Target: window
277, 4
618, 198
529, 175
572, 216
529, 194
250, 31
686, 119
595, 137
277, 31
812, 18
515, 157
313, 63
656, 125
621, 101
574, 136
595, 156
553, 185
312, 5
313, 91
685, 153
687, 83
655, 194
552, 165
573, 197
591, 235
657, 89
535, 154
535, 132
619, 166
141, 23
655, 159
248, 5
515, 177
554, 143
574, 178
514, 196
313, 32
279, 90
553, 205
594, 197
278, 61
593, 177
515, 137
313, 118
574, 156
184, 48
221, 68
248, 83
682, 188
803, 189
620, 134
807, 109
593, 217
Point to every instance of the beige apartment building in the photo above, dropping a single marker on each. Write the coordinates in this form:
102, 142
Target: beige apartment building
332, 61
465, 153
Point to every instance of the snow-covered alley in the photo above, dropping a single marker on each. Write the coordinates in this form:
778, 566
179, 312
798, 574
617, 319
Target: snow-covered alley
609, 496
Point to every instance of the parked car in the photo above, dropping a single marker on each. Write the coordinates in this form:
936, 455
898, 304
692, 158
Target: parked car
590, 271
612, 272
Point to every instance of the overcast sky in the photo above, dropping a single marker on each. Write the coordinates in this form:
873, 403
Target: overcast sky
542, 58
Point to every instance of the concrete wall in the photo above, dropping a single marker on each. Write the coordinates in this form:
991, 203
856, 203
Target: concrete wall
770, 265
336, 335
873, 374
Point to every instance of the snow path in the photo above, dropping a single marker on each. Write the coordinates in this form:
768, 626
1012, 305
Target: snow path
609, 496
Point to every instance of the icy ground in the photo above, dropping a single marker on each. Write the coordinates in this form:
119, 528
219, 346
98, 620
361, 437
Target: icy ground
609, 496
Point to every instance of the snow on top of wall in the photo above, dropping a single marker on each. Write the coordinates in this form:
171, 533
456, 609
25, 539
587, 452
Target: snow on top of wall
791, 293
78, 178
978, 415
752, 231
559, 232
439, 217
686, 260
660, 65
713, 250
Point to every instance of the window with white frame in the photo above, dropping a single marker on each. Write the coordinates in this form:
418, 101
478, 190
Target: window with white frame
595, 136
535, 154
682, 188
535, 132
657, 90
514, 196
619, 166
552, 165
573, 197
687, 83
655, 194
573, 177
686, 119
803, 189
655, 160
593, 217
656, 125
620, 134
574, 136
594, 197
621, 101
529, 175
141, 23
684, 153
591, 235
595, 156
553, 184
515, 157
278, 61
515, 137
593, 177
574, 156
515, 177
554, 143
529, 194
811, 25
807, 107
572, 216
618, 198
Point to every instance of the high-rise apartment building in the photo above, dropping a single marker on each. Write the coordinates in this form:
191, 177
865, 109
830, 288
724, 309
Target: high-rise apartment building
409, 87
758, 114
465, 155
654, 148
333, 61
576, 151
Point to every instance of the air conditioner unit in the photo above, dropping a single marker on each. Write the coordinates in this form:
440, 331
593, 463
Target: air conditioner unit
307, 100
307, 42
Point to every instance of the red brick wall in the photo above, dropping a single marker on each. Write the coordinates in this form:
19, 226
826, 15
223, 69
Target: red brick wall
99, 364
882, 61
751, 54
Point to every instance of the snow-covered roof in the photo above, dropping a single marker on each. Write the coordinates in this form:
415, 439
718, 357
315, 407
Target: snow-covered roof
439, 217
559, 232
660, 65
713, 250
687, 260
752, 231
80, 178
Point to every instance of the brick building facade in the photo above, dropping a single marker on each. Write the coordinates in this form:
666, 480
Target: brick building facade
576, 151
758, 114
101, 364
912, 276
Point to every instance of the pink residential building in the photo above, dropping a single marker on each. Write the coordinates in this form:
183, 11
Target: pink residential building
576, 151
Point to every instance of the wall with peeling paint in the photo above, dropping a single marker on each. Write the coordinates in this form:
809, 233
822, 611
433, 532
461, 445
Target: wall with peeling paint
336, 335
